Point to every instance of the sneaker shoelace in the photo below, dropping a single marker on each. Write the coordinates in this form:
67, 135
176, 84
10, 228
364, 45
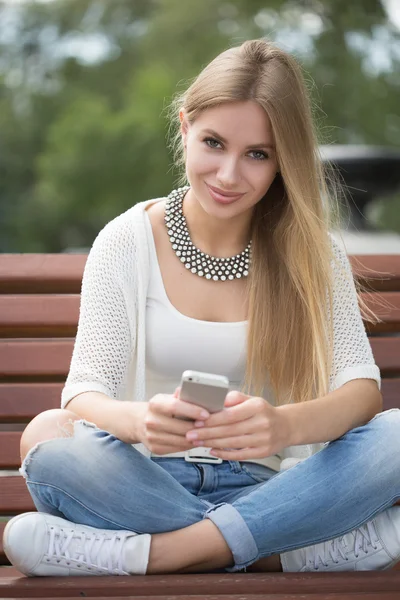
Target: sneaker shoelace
83, 548
364, 536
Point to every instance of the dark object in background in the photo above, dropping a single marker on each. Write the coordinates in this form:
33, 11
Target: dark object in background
367, 172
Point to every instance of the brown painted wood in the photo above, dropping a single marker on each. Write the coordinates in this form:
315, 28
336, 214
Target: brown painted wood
250, 596
225, 584
9, 440
38, 358
62, 273
32, 372
378, 272
20, 402
51, 315
14, 496
386, 306
24, 358
361, 596
390, 390
41, 273
3, 558
386, 352
9, 450
56, 315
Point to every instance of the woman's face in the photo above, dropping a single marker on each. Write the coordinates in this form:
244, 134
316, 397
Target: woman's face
229, 148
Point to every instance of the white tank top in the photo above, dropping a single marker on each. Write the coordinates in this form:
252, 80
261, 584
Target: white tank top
175, 343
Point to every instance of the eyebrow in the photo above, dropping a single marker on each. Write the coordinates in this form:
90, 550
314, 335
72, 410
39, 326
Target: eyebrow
217, 135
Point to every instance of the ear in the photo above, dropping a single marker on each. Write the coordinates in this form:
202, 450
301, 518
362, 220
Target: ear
184, 125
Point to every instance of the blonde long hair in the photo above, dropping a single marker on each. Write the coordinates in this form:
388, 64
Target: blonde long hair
290, 286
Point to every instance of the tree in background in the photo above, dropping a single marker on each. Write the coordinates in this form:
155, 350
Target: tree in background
84, 86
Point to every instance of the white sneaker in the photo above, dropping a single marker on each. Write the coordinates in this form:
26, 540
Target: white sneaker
41, 544
375, 546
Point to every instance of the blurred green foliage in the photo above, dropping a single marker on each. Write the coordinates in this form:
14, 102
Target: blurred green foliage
83, 136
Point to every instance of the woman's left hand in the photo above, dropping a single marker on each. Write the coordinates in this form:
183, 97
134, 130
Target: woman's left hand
248, 427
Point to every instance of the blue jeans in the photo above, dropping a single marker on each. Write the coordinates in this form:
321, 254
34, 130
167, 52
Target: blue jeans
95, 479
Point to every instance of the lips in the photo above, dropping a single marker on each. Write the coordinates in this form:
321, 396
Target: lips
221, 196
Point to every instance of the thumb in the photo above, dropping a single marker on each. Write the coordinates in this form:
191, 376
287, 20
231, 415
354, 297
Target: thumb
233, 398
177, 392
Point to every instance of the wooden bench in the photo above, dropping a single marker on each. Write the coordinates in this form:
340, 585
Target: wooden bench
39, 307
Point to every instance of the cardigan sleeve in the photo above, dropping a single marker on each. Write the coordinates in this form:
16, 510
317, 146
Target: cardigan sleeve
352, 353
106, 332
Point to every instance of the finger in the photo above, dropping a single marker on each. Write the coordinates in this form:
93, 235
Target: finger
164, 424
240, 441
166, 439
169, 449
171, 406
232, 414
235, 397
211, 433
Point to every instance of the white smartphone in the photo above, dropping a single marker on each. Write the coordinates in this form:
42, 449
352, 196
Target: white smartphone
204, 389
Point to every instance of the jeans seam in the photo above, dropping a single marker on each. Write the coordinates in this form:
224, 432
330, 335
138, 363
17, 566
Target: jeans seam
254, 477
337, 535
235, 466
58, 489
200, 474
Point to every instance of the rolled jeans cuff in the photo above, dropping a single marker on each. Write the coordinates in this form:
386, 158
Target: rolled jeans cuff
236, 533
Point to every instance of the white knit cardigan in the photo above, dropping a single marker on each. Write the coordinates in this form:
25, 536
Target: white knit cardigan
109, 350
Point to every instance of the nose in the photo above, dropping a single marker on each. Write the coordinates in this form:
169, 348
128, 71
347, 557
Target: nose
228, 173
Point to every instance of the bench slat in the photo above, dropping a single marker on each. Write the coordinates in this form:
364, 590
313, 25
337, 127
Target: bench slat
386, 351
390, 390
390, 315
247, 596
24, 358
317, 585
41, 273
388, 266
62, 273
9, 450
14, 495
51, 315
20, 402
56, 315
41, 358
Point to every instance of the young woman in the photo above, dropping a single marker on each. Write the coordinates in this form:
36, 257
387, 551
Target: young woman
236, 273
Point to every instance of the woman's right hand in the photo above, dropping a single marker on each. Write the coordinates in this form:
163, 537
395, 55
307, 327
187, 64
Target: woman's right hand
160, 426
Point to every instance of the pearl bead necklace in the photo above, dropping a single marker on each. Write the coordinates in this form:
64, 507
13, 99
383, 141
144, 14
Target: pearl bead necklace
198, 262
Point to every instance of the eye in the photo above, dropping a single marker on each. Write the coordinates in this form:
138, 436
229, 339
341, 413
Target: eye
261, 154
215, 144
211, 141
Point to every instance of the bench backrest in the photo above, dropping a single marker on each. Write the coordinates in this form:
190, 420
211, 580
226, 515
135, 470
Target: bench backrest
39, 309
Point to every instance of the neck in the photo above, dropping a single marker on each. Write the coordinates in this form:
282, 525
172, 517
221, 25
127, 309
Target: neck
217, 237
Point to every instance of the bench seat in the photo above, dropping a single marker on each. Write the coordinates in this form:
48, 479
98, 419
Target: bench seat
39, 309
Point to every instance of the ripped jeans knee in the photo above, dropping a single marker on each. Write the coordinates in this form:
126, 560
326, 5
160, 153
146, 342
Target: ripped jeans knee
79, 428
